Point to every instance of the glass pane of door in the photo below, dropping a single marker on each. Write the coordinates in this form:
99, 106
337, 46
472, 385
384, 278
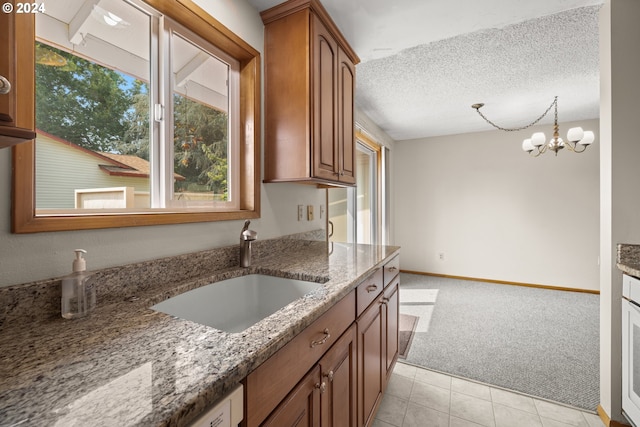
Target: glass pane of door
366, 195
353, 212
341, 224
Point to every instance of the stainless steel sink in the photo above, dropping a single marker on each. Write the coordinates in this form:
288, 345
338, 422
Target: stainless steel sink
233, 305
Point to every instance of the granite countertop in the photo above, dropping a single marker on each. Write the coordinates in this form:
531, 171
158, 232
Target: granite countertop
628, 259
128, 365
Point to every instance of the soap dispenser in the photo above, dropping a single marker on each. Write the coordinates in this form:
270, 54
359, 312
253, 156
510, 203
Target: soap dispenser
78, 292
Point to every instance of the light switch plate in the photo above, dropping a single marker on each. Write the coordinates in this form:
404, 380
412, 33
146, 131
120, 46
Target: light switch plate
310, 213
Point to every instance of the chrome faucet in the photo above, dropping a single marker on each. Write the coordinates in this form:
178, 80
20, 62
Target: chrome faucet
246, 237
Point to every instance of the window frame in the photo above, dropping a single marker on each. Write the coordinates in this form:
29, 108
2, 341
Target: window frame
194, 18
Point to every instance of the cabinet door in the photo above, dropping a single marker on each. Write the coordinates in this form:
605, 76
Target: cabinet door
324, 140
301, 408
338, 369
17, 65
346, 130
370, 362
391, 324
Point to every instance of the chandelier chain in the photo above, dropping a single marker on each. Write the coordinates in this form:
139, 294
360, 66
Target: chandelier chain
554, 103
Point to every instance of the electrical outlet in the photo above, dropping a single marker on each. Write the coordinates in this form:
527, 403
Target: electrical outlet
322, 211
300, 212
441, 256
310, 213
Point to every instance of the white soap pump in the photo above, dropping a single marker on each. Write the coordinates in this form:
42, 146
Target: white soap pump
78, 292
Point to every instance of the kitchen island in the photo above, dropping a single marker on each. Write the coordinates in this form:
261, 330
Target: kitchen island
128, 365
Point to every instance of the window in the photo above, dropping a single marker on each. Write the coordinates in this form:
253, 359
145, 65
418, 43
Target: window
141, 120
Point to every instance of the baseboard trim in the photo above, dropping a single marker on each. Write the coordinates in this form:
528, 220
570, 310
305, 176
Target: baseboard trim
503, 282
608, 422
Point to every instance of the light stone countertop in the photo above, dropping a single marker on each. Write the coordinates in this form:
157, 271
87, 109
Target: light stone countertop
127, 365
628, 259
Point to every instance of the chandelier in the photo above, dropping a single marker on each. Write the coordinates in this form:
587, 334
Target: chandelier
577, 139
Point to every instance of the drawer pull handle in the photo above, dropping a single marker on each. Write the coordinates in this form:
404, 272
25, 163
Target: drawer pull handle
5, 86
322, 387
372, 288
329, 376
393, 269
324, 339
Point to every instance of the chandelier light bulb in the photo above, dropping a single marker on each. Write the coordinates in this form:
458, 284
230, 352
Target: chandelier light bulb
588, 138
538, 139
575, 134
527, 145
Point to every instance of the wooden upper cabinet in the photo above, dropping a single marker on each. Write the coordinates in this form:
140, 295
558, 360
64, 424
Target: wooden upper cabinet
309, 96
325, 135
17, 66
346, 117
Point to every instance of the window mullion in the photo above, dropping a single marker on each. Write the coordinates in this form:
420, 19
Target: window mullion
165, 142
156, 114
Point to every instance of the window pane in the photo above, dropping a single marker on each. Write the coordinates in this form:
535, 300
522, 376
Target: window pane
366, 194
92, 106
201, 124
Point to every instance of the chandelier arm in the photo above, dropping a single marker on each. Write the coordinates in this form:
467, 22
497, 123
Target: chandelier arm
478, 106
537, 151
573, 146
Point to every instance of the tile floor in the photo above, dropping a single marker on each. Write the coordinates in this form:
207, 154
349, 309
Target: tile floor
417, 397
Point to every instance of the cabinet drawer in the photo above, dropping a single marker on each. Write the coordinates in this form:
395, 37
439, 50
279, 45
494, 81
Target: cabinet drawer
272, 381
391, 270
368, 291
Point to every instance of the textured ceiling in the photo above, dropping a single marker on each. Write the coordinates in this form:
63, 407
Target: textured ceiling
424, 62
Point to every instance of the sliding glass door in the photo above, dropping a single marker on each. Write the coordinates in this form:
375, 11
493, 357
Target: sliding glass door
355, 214
366, 195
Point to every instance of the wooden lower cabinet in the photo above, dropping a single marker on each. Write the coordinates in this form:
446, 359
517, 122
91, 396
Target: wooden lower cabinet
377, 351
326, 396
391, 325
334, 373
370, 362
339, 395
301, 408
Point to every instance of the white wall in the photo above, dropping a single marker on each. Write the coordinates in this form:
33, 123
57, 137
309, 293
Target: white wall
619, 179
26, 258
497, 213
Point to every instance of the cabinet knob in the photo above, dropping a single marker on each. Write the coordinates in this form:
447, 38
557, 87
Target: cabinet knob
329, 376
322, 387
324, 339
5, 86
